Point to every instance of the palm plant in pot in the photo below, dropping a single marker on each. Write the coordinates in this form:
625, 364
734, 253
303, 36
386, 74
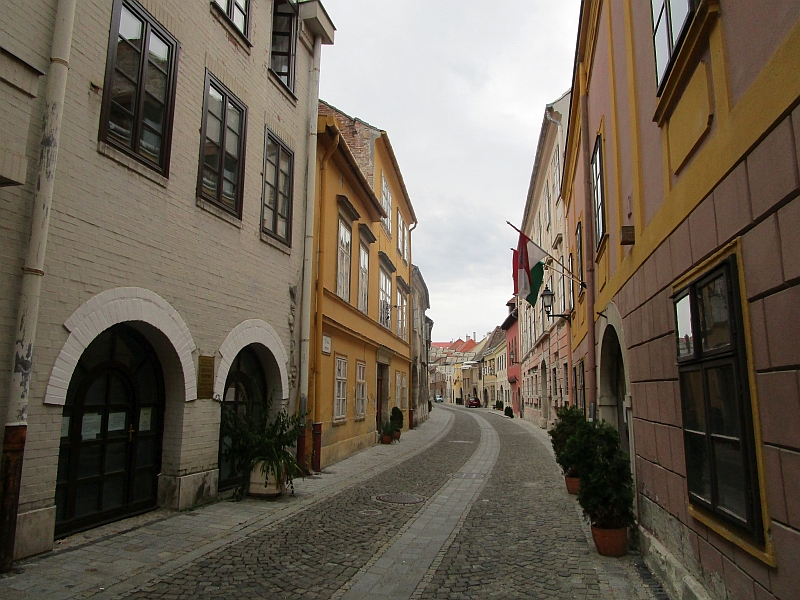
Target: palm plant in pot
387, 432
606, 493
568, 419
258, 442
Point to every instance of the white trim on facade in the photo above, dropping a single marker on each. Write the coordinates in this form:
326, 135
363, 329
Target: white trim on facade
109, 308
252, 331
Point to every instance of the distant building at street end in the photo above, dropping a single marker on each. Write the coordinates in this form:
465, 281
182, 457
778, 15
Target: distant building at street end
511, 328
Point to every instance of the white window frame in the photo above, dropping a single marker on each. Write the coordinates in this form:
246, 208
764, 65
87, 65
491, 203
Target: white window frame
401, 232
361, 389
402, 317
598, 192
344, 251
386, 202
340, 398
363, 278
385, 300
397, 386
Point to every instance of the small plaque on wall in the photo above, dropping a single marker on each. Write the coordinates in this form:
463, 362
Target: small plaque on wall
326, 344
205, 377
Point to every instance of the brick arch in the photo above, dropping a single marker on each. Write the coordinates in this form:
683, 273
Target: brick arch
252, 331
109, 308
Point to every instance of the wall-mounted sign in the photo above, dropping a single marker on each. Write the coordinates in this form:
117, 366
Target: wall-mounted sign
326, 344
205, 377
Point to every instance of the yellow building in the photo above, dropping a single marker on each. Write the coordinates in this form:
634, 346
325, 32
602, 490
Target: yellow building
360, 365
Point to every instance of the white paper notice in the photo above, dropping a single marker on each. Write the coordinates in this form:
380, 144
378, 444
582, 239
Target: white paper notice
90, 426
64, 426
116, 421
144, 419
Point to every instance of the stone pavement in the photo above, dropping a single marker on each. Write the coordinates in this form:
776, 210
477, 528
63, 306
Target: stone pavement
494, 521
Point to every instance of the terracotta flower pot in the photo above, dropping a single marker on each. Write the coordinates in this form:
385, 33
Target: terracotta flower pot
610, 542
573, 485
386, 439
396, 434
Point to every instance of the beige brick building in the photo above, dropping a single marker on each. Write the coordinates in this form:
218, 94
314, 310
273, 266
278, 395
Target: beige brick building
174, 263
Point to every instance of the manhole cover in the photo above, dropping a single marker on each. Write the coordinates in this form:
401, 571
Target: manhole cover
369, 513
468, 475
400, 498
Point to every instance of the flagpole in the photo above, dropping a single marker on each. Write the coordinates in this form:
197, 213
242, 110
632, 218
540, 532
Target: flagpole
564, 270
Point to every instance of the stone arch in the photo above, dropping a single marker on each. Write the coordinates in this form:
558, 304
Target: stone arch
121, 305
252, 331
614, 383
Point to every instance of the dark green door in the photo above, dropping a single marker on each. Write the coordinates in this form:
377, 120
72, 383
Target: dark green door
111, 427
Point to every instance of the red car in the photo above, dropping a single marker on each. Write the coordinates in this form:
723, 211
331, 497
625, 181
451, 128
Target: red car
473, 403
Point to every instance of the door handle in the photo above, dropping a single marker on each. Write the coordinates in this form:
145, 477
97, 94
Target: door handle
130, 432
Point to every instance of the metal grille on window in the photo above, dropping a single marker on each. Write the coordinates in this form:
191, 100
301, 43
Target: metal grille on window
343, 266
340, 402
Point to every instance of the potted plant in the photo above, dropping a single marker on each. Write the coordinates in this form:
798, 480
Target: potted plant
606, 493
258, 442
509, 412
568, 419
397, 419
387, 432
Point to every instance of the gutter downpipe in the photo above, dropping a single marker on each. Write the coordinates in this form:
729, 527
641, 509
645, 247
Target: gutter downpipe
32, 273
308, 247
316, 458
588, 250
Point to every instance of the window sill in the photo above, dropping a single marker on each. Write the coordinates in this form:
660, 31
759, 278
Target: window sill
361, 418
765, 555
339, 421
688, 55
278, 245
125, 160
215, 210
233, 30
285, 89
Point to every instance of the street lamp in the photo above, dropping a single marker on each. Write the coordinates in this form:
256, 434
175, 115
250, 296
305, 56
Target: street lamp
547, 302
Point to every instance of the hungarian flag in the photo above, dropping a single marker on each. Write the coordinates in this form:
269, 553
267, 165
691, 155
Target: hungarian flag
528, 269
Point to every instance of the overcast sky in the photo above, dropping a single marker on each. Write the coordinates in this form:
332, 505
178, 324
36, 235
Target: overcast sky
460, 86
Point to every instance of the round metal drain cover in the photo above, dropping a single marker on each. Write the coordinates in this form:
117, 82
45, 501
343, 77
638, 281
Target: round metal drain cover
400, 498
369, 513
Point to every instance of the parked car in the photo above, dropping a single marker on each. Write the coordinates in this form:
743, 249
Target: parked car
473, 403
438, 399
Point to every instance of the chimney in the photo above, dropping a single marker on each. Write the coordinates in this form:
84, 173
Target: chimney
474, 337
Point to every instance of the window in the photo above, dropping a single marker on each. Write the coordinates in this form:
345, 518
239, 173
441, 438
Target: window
547, 203
236, 11
556, 175
385, 304
579, 375
397, 388
669, 21
571, 284
401, 233
579, 251
386, 202
276, 217
402, 316
717, 426
566, 381
284, 38
343, 263
598, 192
361, 389
221, 170
404, 390
562, 285
340, 403
139, 91
363, 278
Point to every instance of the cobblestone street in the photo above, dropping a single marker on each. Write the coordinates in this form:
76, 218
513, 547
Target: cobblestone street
494, 521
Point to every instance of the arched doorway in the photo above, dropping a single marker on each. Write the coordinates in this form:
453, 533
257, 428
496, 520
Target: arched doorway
252, 384
613, 388
111, 427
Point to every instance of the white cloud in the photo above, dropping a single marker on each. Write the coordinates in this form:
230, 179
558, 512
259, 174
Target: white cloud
460, 86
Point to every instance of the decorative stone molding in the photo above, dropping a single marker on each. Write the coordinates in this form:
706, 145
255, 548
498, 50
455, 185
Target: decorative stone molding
109, 308
252, 331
